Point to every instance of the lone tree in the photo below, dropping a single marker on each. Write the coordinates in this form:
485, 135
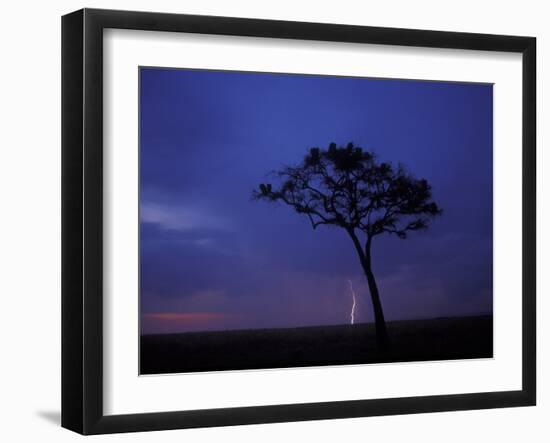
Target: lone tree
347, 187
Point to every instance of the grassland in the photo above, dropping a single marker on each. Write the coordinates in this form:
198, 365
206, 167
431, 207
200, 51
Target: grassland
411, 340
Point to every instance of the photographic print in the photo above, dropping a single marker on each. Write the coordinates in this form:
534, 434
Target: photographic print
293, 220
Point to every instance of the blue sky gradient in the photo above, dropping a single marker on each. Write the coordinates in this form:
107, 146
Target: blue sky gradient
211, 258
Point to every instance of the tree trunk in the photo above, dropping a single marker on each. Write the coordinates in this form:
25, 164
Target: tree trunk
382, 339
379, 321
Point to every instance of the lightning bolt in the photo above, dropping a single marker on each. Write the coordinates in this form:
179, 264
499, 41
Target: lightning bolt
353, 296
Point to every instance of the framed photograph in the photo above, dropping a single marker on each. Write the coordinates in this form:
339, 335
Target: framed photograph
268, 221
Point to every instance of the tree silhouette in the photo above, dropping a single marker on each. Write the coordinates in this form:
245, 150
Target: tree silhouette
347, 187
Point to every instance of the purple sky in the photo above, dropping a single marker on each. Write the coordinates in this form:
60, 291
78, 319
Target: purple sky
211, 258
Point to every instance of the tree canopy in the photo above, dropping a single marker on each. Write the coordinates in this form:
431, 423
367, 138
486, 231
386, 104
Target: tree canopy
348, 187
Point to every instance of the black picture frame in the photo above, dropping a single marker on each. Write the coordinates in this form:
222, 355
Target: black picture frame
82, 218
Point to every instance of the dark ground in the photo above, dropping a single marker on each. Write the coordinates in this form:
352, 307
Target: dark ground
411, 340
